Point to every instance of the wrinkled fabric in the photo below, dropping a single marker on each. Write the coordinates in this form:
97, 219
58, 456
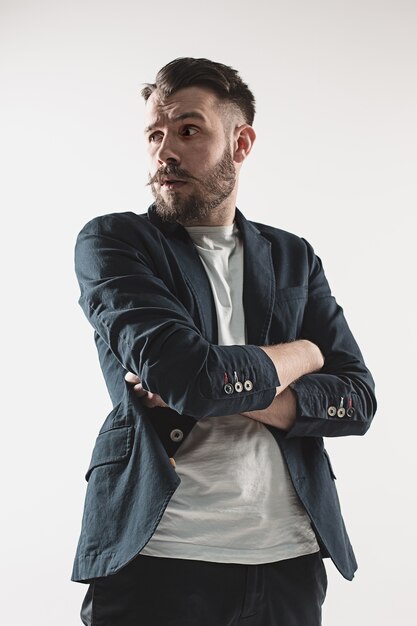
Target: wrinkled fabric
148, 298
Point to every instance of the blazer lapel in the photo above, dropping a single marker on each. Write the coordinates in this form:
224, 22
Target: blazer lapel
193, 273
259, 283
197, 280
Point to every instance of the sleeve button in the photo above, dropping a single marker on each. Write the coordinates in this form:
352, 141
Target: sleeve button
228, 388
248, 385
176, 435
238, 387
331, 411
341, 412
350, 412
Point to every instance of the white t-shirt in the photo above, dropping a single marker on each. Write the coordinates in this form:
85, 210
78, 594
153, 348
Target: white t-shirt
236, 502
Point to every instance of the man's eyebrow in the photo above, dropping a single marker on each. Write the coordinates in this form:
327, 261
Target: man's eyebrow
187, 115
192, 114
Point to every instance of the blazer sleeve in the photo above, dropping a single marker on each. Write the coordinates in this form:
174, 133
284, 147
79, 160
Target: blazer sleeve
150, 331
339, 399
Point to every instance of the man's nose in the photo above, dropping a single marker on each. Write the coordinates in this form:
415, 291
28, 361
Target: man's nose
168, 152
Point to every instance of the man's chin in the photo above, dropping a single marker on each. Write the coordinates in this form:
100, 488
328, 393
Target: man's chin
184, 213
168, 211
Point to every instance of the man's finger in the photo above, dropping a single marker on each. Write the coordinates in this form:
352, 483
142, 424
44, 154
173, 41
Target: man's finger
132, 378
139, 390
152, 400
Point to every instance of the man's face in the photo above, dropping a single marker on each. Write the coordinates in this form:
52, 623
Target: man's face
192, 172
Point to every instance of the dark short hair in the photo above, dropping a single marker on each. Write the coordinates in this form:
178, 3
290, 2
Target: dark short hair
223, 80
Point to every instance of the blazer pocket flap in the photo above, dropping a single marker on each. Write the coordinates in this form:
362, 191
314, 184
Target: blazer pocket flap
112, 446
287, 294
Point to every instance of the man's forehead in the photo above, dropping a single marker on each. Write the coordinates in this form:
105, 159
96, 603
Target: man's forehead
196, 102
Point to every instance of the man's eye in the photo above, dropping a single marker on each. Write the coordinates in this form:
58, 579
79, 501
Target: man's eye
188, 131
154, 137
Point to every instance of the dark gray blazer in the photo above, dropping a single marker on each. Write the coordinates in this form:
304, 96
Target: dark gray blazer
146, 293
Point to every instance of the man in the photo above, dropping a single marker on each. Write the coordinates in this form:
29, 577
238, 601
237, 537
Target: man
211, 498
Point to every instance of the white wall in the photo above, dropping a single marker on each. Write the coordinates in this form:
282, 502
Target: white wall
335, 162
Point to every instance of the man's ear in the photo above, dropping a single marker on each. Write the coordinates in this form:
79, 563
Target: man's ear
244, 138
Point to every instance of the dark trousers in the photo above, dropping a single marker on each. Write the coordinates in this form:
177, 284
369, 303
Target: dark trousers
153, 591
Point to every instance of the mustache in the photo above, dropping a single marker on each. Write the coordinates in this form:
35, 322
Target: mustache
169, 170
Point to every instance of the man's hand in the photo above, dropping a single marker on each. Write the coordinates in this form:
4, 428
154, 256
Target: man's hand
149, 399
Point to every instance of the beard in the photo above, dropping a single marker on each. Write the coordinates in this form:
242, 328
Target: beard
216, 187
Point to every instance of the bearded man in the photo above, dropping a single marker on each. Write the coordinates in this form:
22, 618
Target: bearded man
211, 497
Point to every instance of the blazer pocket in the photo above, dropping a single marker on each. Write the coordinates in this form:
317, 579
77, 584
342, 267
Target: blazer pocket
112, 446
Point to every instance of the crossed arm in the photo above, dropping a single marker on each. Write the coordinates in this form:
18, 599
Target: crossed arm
128, 295
291, 360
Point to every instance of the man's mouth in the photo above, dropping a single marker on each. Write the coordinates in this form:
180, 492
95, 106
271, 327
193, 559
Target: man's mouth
172, 183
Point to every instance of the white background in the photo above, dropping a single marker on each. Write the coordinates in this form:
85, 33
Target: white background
335, 161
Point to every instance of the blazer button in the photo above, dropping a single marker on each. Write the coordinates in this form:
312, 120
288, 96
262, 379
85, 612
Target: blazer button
341, 412
176, 435
238, 387
350, 412
332, 411
248, 385
228, 388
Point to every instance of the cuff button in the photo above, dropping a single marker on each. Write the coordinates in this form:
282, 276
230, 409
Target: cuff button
341, 412
248, 385
350, 412
238, 387
228, 388
332, 411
